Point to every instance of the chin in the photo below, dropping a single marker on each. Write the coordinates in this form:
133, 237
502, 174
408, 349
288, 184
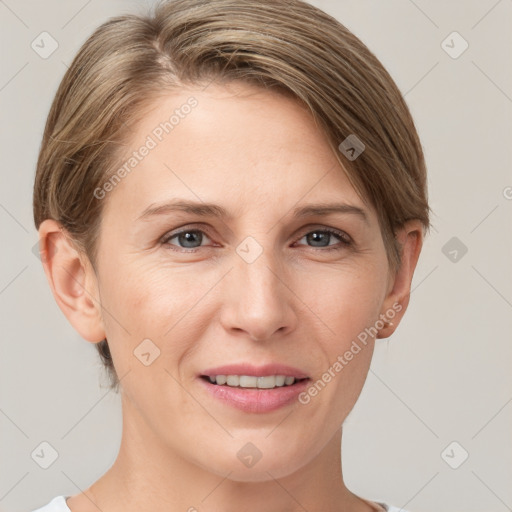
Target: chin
264, 469
263, 473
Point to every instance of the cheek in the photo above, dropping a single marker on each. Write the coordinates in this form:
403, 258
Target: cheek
348, 304
346, 300
151, 297
347, 307
161, 305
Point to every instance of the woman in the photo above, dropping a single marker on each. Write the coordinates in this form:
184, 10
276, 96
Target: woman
231, 201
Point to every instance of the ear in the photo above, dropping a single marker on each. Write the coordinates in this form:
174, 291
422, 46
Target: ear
72, 280
410, 238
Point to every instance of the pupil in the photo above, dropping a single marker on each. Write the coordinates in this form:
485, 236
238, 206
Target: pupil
190, 237
317, 237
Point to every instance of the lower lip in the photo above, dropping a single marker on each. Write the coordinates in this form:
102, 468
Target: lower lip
256, 400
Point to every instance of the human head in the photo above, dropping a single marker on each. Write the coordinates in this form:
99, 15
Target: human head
286, 46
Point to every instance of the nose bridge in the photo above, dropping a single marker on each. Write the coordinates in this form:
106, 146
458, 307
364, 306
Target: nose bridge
260, 275
260, 303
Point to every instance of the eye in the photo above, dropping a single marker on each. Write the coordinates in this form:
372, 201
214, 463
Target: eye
320, 238
187, 239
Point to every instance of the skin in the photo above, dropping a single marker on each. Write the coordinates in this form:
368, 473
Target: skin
259, 155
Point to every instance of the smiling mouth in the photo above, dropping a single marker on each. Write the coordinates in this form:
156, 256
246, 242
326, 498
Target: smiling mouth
252, 382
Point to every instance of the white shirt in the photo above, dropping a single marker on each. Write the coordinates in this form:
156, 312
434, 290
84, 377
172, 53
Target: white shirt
58, 504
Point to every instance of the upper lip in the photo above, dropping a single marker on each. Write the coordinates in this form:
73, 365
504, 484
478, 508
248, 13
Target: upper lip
256, 371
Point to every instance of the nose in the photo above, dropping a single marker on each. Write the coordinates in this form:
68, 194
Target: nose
259, 301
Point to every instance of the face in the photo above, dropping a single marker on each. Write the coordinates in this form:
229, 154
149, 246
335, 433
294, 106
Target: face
272, 281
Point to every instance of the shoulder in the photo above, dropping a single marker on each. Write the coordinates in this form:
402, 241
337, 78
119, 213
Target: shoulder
391, 508
58, 504
381, 506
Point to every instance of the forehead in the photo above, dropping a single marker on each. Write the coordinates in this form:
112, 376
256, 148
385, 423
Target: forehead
236, 141
250, 117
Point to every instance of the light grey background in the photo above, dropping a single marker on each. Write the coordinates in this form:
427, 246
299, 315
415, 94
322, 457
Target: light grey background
445, 374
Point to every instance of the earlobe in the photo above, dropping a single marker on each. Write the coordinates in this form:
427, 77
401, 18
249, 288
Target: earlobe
72, 281
410, 238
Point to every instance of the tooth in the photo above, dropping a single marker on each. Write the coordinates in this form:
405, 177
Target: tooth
248, 382
280, 380
233, 380
251, 381
266, 382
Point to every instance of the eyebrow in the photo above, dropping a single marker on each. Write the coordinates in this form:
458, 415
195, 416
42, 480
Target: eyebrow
329, 208
196, 208
215, 210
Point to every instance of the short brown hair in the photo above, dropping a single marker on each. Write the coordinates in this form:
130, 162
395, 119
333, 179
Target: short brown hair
285, 45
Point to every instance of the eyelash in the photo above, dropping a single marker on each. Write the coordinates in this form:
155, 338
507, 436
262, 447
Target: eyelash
344, 239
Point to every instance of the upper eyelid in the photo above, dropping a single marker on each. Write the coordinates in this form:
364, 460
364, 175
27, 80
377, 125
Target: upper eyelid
185, 229
341, 233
